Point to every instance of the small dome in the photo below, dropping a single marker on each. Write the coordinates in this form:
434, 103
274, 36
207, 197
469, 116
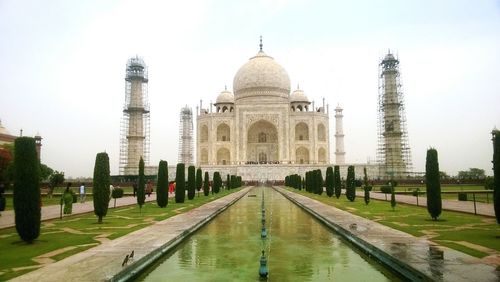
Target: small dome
225, 97
298, 96
389, 56
261, 75
3, 130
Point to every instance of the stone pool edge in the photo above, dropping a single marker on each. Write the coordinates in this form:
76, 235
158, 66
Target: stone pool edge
142, 264
416, 268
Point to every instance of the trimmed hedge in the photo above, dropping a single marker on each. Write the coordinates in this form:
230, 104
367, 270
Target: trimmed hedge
100, 192
27, 199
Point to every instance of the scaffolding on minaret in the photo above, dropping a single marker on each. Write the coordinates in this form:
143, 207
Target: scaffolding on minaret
134, 129
339, 137
393, 153
186, 140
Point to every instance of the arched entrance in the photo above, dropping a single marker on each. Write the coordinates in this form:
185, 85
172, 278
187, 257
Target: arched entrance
262, 143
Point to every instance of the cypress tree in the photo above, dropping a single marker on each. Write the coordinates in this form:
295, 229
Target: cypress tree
228, 182
337, 185
206, 185
100, 191
496, 173
199, 180
180, 183
191, 182
350, 184
233, 181
433, 186
162, 185
329, 181
217, 180
393, 197
26, 190
320, 182
366, 187
141, 195
309, 182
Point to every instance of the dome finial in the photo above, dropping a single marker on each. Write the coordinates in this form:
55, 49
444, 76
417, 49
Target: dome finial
260, 45
298, 86
225, 87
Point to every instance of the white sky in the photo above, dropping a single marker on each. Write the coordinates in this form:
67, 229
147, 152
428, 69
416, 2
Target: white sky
63, 66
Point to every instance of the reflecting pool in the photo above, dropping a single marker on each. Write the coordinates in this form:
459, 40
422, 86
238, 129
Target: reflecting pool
298, 248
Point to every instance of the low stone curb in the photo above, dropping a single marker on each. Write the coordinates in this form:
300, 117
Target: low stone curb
133, 270
422, 260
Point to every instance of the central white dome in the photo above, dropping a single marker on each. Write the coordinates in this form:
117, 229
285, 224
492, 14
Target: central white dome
261, 76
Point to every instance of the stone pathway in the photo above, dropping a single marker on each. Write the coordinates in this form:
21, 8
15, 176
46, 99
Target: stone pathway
50, 212
104, 262
419, 257
452, 205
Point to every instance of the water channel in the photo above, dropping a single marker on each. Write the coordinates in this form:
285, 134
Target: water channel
298, 248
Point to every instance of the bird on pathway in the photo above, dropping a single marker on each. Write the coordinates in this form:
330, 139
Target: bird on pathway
125, 261
131, 256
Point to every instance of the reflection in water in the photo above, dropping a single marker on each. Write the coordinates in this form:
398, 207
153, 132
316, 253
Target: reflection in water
298, 248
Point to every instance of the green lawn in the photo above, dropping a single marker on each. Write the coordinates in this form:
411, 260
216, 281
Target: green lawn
450, 230
58, 234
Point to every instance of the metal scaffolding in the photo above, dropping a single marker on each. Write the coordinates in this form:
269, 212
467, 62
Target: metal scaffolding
134, 128
186, 145
393, 153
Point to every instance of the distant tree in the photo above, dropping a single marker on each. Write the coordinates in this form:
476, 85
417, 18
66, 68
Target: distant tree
100, 191
206, 185
337, 184
489, 183
496, 173
366, 187
329, 181
45, 172
472, 173
141, 188
5, 161
162, 184
199, 180
180, 183
393, 197
433, 185
443, 175
228, 181
191, 182
55, 180
26, 190
350, 184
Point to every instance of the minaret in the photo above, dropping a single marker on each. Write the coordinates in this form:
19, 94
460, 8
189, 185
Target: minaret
339, 137
186, 145
394, 150
38, 143
135, 122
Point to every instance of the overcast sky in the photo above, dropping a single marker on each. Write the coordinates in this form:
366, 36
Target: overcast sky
62, 68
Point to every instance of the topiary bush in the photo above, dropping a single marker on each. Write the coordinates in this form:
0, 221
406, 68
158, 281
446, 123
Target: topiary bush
27, 200
162, 185
100, 192
191, 182
462, 196
433, 186
180, 183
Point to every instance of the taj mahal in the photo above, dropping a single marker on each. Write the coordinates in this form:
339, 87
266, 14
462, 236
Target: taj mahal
263, 130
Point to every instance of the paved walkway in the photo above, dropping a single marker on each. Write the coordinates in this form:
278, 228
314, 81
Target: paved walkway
417, 257
451, 205
104, 262
53, 211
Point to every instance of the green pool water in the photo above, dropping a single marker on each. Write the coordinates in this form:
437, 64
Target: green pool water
298, 248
